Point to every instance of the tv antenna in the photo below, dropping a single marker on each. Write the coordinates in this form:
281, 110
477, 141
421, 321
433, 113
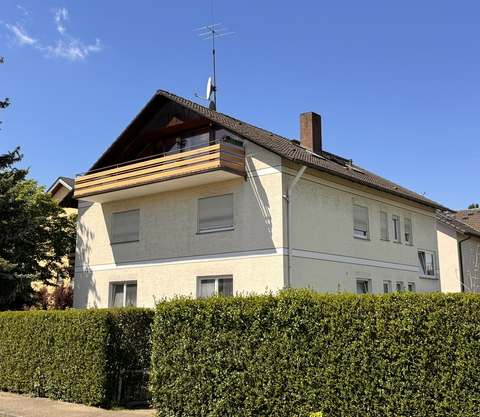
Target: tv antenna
212, 32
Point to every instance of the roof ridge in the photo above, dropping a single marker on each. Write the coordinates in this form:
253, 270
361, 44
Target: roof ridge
289, 149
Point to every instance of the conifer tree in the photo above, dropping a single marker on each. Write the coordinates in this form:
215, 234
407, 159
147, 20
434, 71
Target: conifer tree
35, 235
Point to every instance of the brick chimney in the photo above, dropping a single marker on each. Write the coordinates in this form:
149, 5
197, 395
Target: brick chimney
311, 131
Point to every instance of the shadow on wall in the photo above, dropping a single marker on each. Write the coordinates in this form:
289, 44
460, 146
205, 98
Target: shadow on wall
85, 294
260, 195
169, 231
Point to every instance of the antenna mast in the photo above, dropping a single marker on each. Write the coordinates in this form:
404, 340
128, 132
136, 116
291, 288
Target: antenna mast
213, 33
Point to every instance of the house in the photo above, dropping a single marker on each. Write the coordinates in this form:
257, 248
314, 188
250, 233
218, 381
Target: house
188, 200
62, 191
458, 237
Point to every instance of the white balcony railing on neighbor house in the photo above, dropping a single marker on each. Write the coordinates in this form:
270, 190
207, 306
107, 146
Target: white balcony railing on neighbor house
164, 167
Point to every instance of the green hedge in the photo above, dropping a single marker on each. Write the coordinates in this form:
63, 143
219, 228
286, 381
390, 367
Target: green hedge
299, 353
72, 355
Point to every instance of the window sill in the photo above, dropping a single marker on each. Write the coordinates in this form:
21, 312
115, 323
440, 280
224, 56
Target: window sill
433, 277
397, 241
385, 240
225, 229
127, 241
408, 244
361, 238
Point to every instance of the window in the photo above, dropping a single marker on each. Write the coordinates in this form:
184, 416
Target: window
411, 287
383, 226
363, 286
125, 226
225, 136
426, 264
387, 287
396, 228
408, 232
123, 294
207, 286
399, 286
186, 141
360, 222
215, 213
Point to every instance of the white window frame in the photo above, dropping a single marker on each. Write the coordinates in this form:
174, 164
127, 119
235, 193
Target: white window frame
367, 286
124, 283
388, 285
216, 278
411, 287
421, 268
408, 233
359, 231
383, 225
114, 240
227, 200
396, 229
399, 286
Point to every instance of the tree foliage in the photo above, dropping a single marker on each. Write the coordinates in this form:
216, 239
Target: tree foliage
35, 234
473, 206
60, 298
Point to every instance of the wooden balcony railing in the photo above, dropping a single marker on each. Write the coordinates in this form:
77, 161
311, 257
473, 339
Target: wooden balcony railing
219, 156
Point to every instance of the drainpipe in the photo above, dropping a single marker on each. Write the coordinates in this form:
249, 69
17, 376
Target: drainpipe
462, 280
288, 198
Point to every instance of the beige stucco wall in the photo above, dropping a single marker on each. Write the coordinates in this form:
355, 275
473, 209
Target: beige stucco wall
250, 274
471, 264
450, 270
170, 254
327, 256
60, 194
448, 254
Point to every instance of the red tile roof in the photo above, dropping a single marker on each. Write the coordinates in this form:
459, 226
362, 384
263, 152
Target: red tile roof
470, 217
450, 220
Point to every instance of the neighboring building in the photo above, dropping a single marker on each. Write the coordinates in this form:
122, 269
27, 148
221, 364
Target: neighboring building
61, 188
458, 237
190, 201
62, 191
470, 217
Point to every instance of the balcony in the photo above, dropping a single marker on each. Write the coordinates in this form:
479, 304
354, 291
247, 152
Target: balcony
219, 161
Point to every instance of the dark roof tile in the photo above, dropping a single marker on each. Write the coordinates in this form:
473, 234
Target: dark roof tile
450, 219
471, 217
293, 151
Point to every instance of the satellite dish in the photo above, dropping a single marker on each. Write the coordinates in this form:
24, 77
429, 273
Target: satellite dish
209, 88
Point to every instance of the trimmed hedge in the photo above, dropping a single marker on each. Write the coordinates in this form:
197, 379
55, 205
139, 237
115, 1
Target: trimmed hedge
299, 353
72, 355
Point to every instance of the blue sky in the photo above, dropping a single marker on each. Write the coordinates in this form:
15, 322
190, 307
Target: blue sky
397, 82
